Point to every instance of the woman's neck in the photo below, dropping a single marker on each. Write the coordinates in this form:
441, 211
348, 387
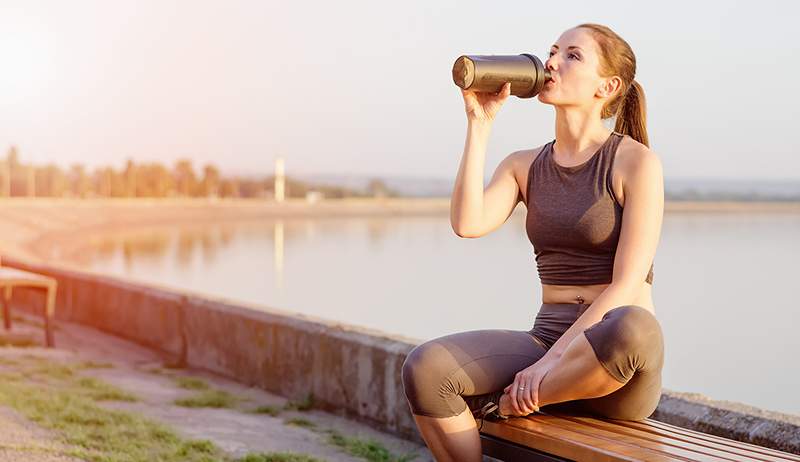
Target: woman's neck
577, 131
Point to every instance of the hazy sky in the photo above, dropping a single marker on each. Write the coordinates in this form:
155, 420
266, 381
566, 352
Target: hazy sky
365, 87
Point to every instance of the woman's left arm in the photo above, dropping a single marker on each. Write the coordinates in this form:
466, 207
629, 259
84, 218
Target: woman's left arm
642, 215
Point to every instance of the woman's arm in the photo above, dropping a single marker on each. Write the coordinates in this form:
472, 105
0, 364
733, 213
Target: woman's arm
643, 213
473, 211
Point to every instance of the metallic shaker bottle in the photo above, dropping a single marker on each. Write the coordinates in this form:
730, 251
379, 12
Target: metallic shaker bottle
488, 73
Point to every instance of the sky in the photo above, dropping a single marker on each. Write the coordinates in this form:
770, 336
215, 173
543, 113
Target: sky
365, 88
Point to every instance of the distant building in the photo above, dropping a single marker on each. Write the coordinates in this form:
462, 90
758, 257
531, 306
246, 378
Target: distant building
314, 196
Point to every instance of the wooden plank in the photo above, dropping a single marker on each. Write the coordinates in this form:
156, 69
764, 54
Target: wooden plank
656, 441
581, 437
698, 437
567, 443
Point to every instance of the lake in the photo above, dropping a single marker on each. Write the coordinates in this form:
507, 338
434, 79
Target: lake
723, 284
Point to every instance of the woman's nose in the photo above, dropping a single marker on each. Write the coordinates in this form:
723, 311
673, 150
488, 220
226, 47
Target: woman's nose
550, 64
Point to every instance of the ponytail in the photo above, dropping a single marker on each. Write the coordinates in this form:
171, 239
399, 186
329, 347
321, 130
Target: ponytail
632, 114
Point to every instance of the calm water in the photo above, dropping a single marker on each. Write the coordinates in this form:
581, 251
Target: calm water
725, 285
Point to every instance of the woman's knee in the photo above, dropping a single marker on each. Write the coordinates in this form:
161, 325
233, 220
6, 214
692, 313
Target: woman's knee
627, 339
426, 381
633, 326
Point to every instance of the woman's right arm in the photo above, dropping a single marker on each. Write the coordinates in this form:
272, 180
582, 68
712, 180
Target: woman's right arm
473, 211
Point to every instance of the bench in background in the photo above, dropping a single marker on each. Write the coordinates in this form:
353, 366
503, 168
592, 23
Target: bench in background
12, 277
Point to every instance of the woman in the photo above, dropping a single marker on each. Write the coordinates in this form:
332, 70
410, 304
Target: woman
595, 204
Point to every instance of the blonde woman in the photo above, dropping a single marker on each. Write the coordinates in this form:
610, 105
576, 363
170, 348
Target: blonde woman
595, 204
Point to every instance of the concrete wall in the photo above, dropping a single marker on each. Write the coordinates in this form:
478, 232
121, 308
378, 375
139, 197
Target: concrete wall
349, 370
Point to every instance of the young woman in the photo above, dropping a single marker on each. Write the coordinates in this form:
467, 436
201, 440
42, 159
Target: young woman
595, 203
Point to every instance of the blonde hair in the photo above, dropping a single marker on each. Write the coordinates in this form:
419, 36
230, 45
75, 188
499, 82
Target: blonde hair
617, 58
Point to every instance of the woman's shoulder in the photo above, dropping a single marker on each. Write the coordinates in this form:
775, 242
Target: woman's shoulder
632, 157
524, 158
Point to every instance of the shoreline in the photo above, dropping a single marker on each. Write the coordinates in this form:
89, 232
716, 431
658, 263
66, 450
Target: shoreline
44, 229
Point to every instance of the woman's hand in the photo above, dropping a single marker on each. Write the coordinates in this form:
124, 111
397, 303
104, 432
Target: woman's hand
526, 401
483, 106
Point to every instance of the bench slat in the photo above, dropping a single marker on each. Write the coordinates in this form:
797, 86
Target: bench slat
583, 437
571, 444
655, 441
675, 431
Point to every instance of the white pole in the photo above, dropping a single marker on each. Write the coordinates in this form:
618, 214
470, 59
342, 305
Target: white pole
280, 181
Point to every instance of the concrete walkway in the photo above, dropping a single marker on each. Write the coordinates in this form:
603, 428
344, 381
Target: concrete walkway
237, 430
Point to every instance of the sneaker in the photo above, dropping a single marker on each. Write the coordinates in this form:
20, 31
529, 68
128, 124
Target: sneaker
490, 407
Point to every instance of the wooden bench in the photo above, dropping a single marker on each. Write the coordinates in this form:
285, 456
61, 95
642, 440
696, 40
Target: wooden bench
557, 437
12, 277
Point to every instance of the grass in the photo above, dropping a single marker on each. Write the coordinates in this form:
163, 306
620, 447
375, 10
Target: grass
9, 362
55, 397
278, 457
101, 391
368, 449
300, 422
208, 398
156, 370
269, 410
191, 383
95, 365
300, 405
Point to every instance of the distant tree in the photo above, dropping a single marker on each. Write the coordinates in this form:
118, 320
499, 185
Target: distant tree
12, 157
185, 179
377, 188
129, 179
51, 181
229, 188
80, 183
210, 183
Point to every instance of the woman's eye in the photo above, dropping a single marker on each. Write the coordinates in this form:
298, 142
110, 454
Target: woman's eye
550, 54
573, 54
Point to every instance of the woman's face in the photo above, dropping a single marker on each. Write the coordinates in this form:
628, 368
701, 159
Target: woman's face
574, 62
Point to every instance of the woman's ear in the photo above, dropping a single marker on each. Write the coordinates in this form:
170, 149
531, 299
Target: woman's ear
609, 87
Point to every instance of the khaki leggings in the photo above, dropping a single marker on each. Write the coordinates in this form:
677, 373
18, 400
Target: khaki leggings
444, 376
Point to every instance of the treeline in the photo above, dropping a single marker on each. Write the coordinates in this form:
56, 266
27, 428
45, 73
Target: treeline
155, 180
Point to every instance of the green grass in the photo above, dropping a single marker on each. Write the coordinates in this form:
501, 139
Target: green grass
269, 410
95, 365
208, 398
10, 362
156, 370
278, 457
101, 391
368, 449
55, 397
300, 405
191, 383
300, 422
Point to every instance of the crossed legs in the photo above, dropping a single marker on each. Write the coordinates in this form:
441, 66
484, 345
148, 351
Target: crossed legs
437, 373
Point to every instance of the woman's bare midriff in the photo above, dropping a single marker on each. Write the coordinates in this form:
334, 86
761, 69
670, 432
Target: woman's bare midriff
587, 294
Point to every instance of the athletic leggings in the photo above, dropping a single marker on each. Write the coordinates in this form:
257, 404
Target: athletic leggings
444, 376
